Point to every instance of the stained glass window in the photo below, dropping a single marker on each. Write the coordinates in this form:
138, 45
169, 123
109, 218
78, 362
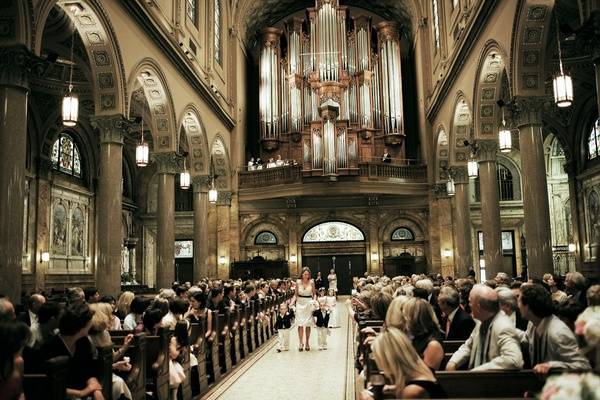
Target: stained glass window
594, 141
265, 237
436, 24
217, 15
402, 234
333, 232
191, 7
65, 156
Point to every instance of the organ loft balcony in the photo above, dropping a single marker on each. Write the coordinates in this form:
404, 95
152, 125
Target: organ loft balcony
369, 176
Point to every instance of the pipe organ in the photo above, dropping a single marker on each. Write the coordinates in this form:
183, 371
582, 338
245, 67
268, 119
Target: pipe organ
331, 90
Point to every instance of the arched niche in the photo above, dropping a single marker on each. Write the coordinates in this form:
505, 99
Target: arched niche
333, 231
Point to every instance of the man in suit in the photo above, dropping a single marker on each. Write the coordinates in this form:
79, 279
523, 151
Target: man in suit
551, 343
427, 284
34, 304
386, 158
322, 321
508, 305
494, 342
459, 323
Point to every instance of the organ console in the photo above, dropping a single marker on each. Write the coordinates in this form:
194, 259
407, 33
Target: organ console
330, 90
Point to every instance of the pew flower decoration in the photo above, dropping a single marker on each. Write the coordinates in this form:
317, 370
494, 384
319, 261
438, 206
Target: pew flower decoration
572, 386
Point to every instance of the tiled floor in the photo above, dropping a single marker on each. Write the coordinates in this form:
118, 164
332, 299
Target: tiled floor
296, 375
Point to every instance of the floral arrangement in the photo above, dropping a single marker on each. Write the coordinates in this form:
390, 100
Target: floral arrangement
572, 386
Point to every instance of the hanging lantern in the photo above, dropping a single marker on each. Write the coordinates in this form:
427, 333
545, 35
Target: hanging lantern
505, 139
472, 168
184, 178
563, 89
562, 82
450, 190
212, 193
70, 108
142, 151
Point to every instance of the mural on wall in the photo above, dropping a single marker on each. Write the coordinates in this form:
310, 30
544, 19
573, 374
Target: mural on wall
59, 229
402, 234
265, 238
333, 232
77, 232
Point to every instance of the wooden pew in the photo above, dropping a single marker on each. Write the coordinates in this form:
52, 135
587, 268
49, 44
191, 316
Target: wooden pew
136, 377
243, 331
450, 346
198, 343
157, 363
257, 330
104, 367
224, 342
51, 385
489, 384
234, 329
250, 322
212, 362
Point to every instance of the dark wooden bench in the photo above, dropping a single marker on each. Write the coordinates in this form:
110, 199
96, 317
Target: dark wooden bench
489, 384
213, 368
234, 333
223, 323
136, 377
450, 346
51, 385
157, 364
198, 343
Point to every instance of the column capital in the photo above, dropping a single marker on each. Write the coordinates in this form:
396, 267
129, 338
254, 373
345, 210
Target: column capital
527, 110
110, 128
17, 62
224, 198
168, 162
460, 174
439, 190
487, 150
201, 183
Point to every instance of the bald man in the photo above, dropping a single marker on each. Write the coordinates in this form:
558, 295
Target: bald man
34, 304
494, 342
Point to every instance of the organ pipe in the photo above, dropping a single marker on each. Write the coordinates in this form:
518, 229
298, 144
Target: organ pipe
331, 60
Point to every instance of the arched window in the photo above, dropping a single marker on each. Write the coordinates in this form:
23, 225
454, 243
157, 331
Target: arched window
65, 156
594, 141
505, 185
335, 231
217, 37
265, 237
402, 233
436, 24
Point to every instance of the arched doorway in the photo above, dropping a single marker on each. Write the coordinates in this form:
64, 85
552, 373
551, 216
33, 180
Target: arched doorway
338, 245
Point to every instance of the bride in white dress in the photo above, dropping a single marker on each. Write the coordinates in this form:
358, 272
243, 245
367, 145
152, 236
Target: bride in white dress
304, 301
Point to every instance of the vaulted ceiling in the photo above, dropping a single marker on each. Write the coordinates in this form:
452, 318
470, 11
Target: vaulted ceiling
253, 15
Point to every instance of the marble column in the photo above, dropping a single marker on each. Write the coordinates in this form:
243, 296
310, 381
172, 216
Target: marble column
463, 256
535, 187
167, 166
109, 203
223, 231
200, 185
574, 202
212, 240
490, 207
16, 63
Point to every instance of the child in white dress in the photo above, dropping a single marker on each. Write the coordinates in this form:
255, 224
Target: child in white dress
331, 301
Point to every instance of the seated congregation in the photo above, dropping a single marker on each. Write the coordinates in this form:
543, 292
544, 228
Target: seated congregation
176, 344
429, 337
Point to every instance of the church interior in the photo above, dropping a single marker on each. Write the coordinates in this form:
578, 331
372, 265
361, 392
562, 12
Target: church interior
198, 157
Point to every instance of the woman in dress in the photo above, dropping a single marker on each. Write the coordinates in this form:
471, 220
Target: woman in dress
304, 301
332, 278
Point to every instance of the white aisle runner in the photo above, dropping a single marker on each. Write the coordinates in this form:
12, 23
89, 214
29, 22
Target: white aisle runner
297, 375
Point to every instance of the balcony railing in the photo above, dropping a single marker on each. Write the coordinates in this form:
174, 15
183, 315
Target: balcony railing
366, 171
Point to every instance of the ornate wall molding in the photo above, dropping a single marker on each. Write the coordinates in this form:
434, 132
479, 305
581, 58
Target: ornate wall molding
111, 128
17, 63
527, 110
201, 183
224, 198
488, 150
459, 174
168, 163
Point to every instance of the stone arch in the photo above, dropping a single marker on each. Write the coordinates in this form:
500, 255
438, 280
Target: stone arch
442, 154
198, 157
100, 42
489, 88
460, 130
415, 226
220, 163
265, 224
16, 26
148, 86
528, 47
